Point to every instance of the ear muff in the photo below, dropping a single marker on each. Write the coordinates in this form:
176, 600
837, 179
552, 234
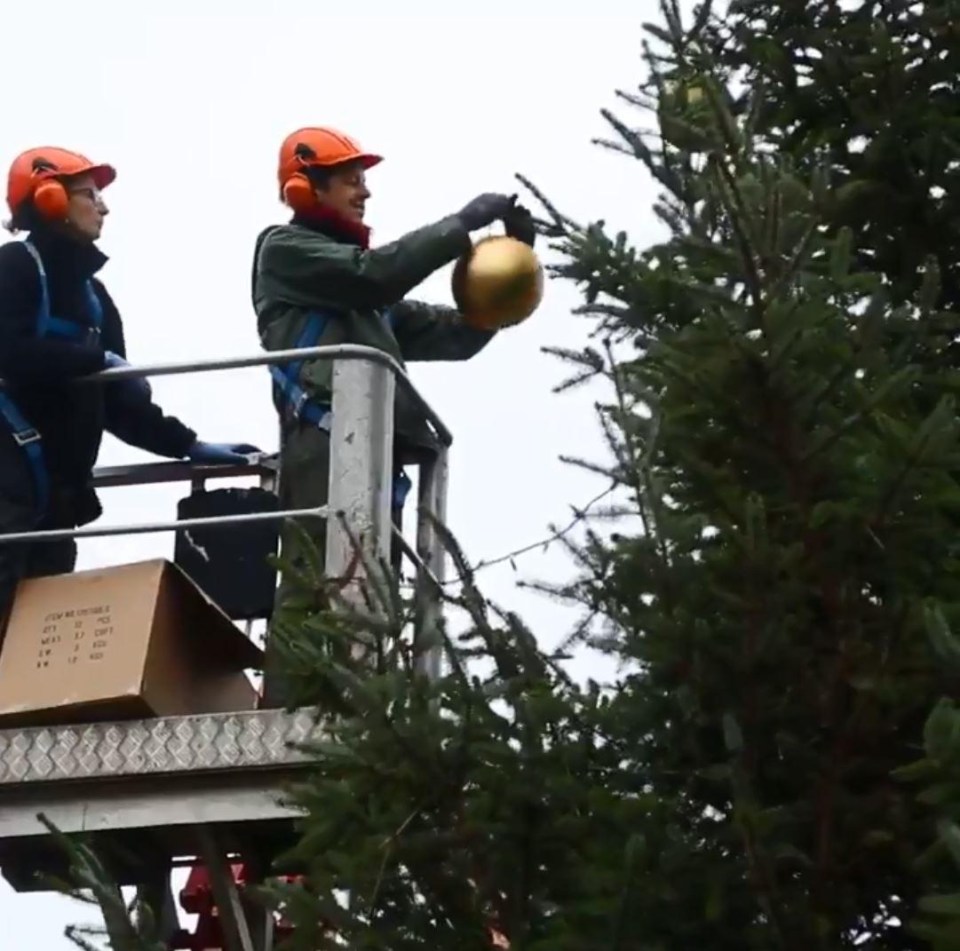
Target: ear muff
51, 200
298, 192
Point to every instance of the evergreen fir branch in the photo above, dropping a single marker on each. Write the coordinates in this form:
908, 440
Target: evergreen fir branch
830, 437
738, 217
561, 225
939, 425
86, 872
632, 138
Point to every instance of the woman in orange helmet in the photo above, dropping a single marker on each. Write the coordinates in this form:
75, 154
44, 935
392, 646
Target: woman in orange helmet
317, 281
58, 323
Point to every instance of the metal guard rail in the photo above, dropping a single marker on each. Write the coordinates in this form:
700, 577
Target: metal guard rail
156, 473
343, 351
334, 352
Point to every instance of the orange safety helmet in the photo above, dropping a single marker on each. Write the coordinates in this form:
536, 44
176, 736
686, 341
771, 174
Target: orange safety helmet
36, 174
318, 147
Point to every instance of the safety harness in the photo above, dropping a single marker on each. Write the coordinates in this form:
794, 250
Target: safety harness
48, 325
298, 405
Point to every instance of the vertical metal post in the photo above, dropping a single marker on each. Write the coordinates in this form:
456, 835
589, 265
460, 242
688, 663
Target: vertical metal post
432, 496
270, 481
361, 468
361, 473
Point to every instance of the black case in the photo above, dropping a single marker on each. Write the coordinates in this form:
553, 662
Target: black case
229, 562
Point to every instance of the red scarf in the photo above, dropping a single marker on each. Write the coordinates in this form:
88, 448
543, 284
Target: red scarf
331, 222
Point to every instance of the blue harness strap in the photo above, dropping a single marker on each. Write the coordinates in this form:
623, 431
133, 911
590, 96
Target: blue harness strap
50, 326
24, 434
298, 403
28, 439
301, 406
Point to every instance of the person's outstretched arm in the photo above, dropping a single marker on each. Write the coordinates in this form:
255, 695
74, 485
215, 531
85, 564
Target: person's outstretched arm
310, 269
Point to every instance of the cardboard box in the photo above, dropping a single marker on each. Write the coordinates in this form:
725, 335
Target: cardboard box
136, 640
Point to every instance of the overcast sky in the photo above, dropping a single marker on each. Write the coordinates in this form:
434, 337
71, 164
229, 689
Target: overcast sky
190, 101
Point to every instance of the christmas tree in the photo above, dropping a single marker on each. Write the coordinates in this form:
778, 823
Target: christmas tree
787, 426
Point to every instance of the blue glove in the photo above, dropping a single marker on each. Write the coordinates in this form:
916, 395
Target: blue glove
138, 386
218, 453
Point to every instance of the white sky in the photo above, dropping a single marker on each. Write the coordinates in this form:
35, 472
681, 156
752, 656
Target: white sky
190, 102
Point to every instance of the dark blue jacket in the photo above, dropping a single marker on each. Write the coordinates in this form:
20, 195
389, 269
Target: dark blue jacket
71, 418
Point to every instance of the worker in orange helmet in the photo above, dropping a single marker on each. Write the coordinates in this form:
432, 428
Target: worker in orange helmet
57, 324
317, 281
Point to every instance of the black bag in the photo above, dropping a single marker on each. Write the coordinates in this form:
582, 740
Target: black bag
229, 562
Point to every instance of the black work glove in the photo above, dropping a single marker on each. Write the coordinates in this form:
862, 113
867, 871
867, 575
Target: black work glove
519, 224
485, 210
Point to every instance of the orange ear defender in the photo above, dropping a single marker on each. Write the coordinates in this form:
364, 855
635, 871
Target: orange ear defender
298, 193
297, 190
51, 200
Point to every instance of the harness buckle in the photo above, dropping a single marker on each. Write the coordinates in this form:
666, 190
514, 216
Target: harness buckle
26, 436
299, 404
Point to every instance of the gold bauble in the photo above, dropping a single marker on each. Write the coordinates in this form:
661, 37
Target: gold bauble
498, 283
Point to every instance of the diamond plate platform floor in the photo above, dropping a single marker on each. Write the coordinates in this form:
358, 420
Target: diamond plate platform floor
139, 789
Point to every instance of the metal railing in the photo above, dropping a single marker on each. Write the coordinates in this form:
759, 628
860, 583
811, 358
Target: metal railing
343, 351
361, 465
182, 471
156, 473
